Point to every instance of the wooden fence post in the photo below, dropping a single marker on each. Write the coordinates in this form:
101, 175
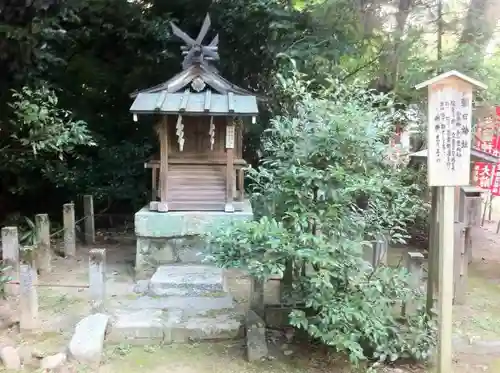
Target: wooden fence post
28, 297
10, 248
433, 252
43, 251
69, 230
380, 249
468, 243
461, 265
376, 252
257, 296
97, 278
88, 211
414, 267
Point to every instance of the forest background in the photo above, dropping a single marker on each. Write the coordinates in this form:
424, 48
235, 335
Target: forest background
68, 69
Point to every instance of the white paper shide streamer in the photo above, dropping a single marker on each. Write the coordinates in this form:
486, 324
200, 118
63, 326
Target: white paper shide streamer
179, 131
211, 132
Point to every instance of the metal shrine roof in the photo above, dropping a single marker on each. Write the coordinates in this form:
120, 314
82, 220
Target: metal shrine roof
188, 102
198, 89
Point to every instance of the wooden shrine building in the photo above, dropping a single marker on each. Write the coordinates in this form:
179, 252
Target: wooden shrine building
200, 129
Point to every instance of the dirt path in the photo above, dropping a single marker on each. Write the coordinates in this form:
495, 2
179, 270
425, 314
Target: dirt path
478, 321
476, 324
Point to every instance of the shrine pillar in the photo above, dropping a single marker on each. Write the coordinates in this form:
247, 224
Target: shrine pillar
230, 130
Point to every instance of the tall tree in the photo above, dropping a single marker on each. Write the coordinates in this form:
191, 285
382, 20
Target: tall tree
391, 55
480, 24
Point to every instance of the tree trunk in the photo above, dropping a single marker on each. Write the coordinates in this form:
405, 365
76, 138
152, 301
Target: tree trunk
389, 61
480, 23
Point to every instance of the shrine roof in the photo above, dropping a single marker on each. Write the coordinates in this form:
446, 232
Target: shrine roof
206, 74
476, 155
204, 103
196, 90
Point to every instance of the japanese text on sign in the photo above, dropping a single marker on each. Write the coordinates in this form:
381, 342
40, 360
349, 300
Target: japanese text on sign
450, 111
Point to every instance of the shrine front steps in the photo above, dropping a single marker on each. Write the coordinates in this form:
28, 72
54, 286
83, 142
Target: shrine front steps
180, 303
187, 280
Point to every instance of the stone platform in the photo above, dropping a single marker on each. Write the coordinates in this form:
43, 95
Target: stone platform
180, 303
176, 236
182, 299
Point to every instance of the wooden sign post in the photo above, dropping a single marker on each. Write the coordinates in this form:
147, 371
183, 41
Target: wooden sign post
448, 165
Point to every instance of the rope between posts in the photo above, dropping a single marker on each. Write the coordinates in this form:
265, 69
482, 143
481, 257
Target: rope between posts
76, 222
53, 285
79, 220
57, 232
82, 219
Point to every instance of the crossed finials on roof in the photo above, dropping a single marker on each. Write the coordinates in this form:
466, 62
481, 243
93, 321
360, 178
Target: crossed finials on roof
194, 51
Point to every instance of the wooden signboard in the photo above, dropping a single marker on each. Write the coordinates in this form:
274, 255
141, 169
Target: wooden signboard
448, 162
449, 131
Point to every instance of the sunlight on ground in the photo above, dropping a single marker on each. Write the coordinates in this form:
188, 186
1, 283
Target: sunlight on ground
202, 358
480, 316
63, 307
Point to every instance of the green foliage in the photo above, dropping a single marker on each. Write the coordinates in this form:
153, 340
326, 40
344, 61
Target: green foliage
323, 189
40, 124
258, 246
95, 52
28, 232
26, 228
107, 163
358, 313
328, 155
40, 136
4, 278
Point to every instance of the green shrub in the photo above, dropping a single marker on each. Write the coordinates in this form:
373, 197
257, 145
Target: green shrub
4, 278
322, 190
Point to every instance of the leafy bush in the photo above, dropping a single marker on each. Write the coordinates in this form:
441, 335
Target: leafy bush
40, 124
39, 141
28, 232
4, 278
321, 192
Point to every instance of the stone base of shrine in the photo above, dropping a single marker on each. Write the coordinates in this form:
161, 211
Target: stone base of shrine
177, 236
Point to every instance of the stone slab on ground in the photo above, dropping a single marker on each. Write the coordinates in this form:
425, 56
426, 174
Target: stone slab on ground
141, 286
256, 340
54, 361
181, 303
187, 280
10, 359
209, 327
478, 347
141, 326
150, 326
86, 345
176, 302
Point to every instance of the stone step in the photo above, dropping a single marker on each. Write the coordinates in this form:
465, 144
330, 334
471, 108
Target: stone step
155, 326
187, 280
197, 304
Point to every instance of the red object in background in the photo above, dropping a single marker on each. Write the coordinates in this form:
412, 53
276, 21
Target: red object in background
482, 170
482, 174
